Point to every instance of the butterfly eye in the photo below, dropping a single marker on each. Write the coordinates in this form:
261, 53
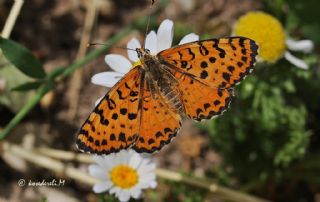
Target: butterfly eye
139, 53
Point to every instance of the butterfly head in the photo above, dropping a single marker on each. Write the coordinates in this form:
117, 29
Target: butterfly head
142, 53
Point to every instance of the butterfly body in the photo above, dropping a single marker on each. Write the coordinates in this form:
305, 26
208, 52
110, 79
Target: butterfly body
143, 111
161, 81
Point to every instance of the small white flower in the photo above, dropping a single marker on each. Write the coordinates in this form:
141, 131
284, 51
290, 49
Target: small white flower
124, 174
155, 42
305, 46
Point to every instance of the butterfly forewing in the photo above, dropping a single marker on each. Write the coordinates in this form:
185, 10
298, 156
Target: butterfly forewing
113, 124
219, 63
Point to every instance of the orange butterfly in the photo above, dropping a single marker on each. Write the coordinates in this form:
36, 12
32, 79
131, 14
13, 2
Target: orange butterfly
143, 111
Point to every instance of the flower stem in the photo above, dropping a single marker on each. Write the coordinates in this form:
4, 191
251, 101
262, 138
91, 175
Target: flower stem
25, 110
11, 20
60, 76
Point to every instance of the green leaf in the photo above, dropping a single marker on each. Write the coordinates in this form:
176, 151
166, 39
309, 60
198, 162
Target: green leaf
12, 77
22, 58
27, 86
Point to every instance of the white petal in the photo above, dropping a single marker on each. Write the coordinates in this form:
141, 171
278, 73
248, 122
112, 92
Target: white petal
165, 35
189, 38
135, 160
98, 101
107, 79
305, 46
114, 190
145, 168
123, 157
149, 184
153, 184
133, 44
98, 159
135, 192
104, 161
97, 172
295, 61
124, 195
102, 187
151, 42
118, 63
147, 177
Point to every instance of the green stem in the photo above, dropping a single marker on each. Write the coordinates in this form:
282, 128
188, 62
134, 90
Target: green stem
96, 53
25, 110
61, 75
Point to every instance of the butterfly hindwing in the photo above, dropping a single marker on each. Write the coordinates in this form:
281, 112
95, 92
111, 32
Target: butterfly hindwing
112, 125
219, 63
201, 101
159, 123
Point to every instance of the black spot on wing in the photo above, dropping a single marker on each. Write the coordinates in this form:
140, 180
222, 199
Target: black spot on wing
204, 74
132, 116
123, 111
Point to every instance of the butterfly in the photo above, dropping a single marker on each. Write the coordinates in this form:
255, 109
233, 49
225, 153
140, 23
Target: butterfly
143, 111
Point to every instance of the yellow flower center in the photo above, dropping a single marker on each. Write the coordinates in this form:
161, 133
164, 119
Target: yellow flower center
266, 30
136, 63
124, 176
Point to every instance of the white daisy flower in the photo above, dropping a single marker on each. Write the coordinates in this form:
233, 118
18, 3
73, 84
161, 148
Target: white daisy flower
155, 42
123, 174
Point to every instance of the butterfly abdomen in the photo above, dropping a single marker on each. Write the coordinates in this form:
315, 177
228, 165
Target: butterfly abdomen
172, 97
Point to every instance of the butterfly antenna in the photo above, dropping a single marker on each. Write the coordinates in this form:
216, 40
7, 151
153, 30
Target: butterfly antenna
148, 22
103, 44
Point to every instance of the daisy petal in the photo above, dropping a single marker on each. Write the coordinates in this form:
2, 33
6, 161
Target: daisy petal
98, 160
146, 167
147, 177
114, 190
305, 46
189, 38
124, 195
123, 156
135, 192
103, 161
148, 184
295, 61
153, 184
151, 42
165, 35
97, 172
98, 101
118, 63
107, 79
102, 187
133, 44
135, 160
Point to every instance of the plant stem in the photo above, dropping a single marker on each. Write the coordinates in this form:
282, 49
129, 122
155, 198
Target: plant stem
25, 110
11, 20
64, 74
96, 53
